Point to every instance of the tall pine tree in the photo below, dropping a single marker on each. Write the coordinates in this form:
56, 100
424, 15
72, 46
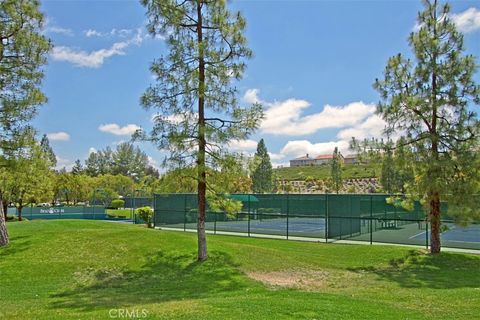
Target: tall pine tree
199, 111
23, 51
262, 175
427, 99
48, 151
336, 171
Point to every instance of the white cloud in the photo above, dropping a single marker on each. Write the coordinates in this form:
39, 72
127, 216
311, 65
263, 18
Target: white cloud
92, 150
59, 30
286, 117
58, 136
280, 164
276, 156
92, 33
371, 127
64, 163
243, 145
122, 33
94, 59
153, 163
298, 148
468, 20
117, 130
251, 96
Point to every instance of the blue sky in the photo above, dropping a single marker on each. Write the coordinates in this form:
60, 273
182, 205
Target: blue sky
313, 69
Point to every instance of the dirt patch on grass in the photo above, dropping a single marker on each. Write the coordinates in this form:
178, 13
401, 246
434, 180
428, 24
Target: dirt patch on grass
309, 280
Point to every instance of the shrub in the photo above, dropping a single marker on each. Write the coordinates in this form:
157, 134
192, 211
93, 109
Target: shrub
146, 214
117, 204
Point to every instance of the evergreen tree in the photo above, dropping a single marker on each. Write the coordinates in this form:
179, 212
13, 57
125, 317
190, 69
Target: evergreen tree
336, 171
47, 149
199, 112
77, 168
388, 175
262, 175
427, 99
23, 52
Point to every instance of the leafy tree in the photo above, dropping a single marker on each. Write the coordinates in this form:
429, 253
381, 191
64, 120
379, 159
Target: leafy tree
336, 171
77, 168
30, 180
47, 149
427, 98
126, 160
403, 161
117, 204
146, 214
116, 184
23, 51
388, 175
129, 161
99, 162
262, 175
199, 112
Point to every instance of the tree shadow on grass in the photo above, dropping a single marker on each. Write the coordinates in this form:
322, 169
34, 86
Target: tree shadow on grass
17, 244
420, 270
165, 277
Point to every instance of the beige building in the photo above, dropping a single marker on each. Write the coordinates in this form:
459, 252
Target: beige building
302, 161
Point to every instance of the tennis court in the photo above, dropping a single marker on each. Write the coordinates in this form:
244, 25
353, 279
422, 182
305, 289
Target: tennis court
325, 217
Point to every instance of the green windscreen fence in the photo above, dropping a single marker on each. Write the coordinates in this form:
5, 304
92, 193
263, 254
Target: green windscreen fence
70, 212
137, 202
329, 217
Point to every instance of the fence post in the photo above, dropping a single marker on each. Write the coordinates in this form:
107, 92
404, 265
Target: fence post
184, 212
288, 211
371, 219
249, 215
326, 218
31, 211
215, 222
426, 233
154, 211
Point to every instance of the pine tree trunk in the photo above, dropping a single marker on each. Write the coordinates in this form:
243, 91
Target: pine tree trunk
202, 185
3, 228
435, 224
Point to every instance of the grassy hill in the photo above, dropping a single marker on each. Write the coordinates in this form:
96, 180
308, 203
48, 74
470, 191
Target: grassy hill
85, 269
350, 171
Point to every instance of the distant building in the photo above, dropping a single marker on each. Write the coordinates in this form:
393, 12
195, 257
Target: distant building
351, 159
317, 161
302, 161
325, 158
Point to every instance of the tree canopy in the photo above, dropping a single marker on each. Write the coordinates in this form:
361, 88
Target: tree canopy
262, 175
198, 112
429, 100
23, 51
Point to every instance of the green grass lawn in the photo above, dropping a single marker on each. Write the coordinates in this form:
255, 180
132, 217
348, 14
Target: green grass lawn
74, 269
324, 172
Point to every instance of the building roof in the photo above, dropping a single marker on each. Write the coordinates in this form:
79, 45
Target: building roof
303, 158
324, 157
351, 156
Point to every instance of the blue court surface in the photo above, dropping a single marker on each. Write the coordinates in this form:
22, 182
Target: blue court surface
458, 234
404, 232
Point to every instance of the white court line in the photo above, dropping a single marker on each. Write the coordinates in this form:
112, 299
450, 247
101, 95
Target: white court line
416, 235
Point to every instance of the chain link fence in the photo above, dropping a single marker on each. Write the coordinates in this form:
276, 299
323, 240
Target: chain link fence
326, 217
